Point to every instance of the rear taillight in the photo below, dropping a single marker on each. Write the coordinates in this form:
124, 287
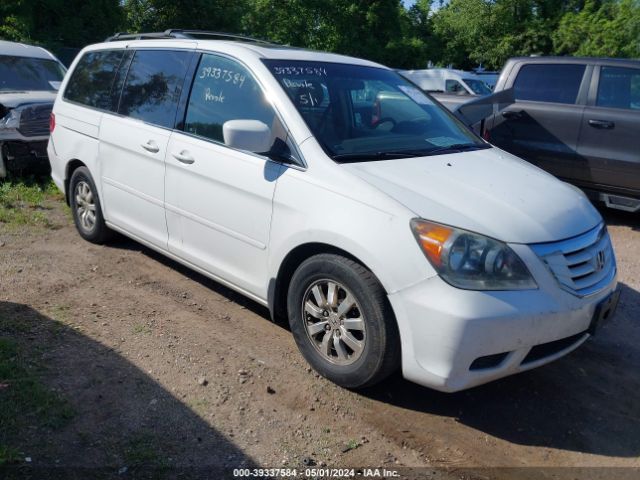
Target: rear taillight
52, 122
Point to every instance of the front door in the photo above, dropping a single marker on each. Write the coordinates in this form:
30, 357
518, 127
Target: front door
219, 199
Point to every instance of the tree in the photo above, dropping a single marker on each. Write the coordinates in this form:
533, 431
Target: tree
159, 15
607, 28
366, 28
54, 23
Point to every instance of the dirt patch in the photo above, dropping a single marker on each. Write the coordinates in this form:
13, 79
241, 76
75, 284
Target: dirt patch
164, 368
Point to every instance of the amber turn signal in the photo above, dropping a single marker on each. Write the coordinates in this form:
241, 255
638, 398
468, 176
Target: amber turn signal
432, 238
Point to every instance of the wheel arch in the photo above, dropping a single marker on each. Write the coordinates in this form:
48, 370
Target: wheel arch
279, 285
72, 166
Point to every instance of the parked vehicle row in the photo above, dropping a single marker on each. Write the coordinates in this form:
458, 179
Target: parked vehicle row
577, 118
335, 192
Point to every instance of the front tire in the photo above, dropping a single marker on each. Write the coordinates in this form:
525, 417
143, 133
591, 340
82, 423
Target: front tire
86, 208
342, 321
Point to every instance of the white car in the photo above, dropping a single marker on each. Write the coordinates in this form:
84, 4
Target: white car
451, 81
404, 241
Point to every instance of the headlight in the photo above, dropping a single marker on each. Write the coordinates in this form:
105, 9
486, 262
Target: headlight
471, 261
11, 120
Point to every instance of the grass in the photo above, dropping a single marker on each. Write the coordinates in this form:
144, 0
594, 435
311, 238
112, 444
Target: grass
140, 328
141, 450
352, 444
22, 201
24, 400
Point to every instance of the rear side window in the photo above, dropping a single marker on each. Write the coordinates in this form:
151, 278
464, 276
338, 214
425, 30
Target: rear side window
91, 81
619, 88
152, 89
224, 90
549, 83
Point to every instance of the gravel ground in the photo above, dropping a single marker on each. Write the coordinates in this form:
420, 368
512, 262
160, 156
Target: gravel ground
165, 368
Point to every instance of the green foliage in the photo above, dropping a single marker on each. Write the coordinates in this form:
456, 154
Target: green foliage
22, 201
609, 28
56, 23
458, 32
159, 15
24, 399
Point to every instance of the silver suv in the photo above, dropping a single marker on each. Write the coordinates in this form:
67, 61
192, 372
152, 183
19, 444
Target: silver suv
29, 80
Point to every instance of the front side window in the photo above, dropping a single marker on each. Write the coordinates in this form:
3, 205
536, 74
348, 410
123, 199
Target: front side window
224, 90
619, 88
549, 83
152, 89
92, 79
20, 74
361, 113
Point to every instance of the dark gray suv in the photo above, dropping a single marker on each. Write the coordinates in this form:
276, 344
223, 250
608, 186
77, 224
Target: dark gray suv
577, 118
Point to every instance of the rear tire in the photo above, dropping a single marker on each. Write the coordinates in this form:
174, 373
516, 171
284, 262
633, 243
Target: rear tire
342, 321
86, 208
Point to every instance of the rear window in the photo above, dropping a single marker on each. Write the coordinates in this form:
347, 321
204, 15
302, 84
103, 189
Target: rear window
549, 83
91, 81
20, 74
152, 89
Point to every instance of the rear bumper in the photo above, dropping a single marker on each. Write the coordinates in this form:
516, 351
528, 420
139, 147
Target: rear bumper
454, 339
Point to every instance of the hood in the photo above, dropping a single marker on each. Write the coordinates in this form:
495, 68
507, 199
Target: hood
485, 191
14, 99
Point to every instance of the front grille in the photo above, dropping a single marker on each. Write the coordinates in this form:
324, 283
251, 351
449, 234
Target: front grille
582, 265
34, 120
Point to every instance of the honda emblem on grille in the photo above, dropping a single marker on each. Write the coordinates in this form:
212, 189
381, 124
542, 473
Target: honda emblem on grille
600, 260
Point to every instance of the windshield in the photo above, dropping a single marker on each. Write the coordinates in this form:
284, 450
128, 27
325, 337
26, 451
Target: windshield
359, 113
478, 86
19, 74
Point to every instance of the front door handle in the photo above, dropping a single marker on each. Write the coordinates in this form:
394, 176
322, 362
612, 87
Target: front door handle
151, 146
512, 114
602, 124
184, 156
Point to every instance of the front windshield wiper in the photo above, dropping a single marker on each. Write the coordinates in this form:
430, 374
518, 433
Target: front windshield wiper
386, 155
458, 147
391, 154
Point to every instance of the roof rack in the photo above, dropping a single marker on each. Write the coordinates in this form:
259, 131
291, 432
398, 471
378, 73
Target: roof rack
188, 34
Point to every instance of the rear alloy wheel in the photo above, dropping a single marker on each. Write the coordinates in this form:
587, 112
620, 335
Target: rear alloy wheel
342, 321
85, 207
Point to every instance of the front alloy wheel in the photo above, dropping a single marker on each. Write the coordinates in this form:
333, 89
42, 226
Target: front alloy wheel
342, 322
334, 322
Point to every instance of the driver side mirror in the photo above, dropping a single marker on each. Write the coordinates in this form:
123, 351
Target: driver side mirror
251, 135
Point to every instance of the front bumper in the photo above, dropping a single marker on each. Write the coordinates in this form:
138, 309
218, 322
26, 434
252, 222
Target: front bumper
21, 155
454, 339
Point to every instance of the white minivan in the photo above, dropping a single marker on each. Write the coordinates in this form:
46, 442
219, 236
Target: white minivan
401, 240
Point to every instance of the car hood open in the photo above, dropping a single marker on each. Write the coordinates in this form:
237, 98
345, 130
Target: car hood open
485, 191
